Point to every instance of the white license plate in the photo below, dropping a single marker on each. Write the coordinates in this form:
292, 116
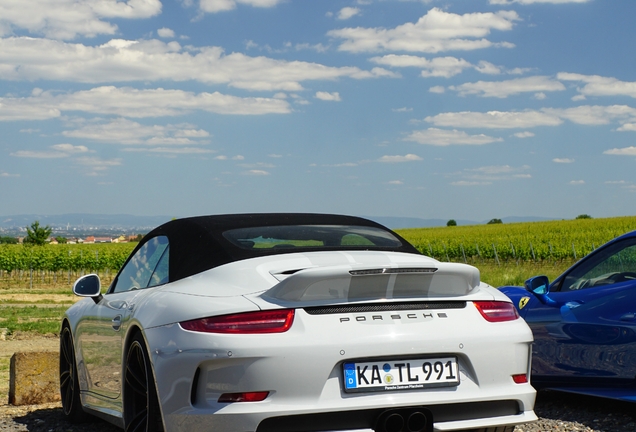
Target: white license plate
395, 375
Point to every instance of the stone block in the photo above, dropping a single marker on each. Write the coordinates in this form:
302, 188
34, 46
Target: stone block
34, 378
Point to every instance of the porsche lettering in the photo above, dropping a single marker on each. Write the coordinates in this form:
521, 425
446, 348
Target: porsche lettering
387, 318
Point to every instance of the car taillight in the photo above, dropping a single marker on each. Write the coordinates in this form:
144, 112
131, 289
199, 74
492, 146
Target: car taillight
497, 311
520, 378
243, 397
273, 321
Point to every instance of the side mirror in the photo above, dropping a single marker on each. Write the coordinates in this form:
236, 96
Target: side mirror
88, 286
538, 285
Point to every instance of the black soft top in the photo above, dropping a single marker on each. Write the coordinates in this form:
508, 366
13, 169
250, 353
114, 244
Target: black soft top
198, 243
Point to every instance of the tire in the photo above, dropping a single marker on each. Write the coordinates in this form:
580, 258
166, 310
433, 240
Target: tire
69, 384
141, 406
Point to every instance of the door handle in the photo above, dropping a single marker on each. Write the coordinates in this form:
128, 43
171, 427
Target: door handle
116, 323
628, 316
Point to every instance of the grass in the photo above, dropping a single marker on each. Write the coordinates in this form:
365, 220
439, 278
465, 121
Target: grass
41, 320
4, 379
35, 291
32, 312
512, 273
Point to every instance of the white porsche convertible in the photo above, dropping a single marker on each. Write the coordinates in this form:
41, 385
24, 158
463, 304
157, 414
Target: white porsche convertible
293, 322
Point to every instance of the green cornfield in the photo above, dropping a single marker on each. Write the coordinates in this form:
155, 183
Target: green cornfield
521, 242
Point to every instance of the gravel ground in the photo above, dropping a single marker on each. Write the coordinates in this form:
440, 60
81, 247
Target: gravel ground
557, 413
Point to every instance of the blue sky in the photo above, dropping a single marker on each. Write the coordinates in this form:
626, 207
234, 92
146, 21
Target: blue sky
431, 109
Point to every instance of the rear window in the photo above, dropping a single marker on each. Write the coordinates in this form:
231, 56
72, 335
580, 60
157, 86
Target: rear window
311, 236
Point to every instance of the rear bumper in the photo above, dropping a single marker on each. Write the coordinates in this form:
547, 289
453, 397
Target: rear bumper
302, 370
448, 417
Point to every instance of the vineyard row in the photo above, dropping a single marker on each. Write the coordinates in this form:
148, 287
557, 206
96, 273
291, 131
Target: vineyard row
538, 241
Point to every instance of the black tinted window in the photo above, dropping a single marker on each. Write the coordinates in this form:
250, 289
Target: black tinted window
613, 264
311, 236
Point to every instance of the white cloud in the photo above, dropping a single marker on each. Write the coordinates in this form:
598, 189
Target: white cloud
171, 150
434, 32
497, 170
67, 19
348, 12
398, 159
527, 2
344, 164
584, 115
39, 154
626, 151
256, 172
96, 166
130, 102
503, 89
627, 127
257, 165
58, 151
577, 182
594, 114
6, 175
126, 132
315, 47
494, 119
444, 67
441, 137
326, 96
69, 148
469, 183
29, 59
600, 86
165, 32
487, 174
214, 6
395, 182
487, 68
563, 160
524, 134
437, 89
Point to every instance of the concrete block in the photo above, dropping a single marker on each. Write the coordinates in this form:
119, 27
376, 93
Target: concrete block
34, 378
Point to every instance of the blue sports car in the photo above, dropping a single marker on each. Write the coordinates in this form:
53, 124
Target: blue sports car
584, 323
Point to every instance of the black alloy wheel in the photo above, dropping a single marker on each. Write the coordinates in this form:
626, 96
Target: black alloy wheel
141, 407
69, 384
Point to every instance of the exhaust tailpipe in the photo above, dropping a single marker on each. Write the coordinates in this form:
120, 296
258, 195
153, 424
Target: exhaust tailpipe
405, 420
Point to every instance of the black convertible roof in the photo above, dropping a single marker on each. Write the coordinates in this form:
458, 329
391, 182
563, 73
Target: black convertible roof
198, 244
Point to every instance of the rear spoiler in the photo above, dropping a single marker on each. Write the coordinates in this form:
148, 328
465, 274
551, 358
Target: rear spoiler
355, 283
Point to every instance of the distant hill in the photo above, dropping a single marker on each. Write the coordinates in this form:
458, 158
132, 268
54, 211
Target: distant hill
83, 222
86, 222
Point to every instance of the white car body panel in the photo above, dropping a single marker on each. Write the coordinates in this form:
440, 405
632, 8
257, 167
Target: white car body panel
302, 368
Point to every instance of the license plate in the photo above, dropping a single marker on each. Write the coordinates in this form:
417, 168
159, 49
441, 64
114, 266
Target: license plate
395, 375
